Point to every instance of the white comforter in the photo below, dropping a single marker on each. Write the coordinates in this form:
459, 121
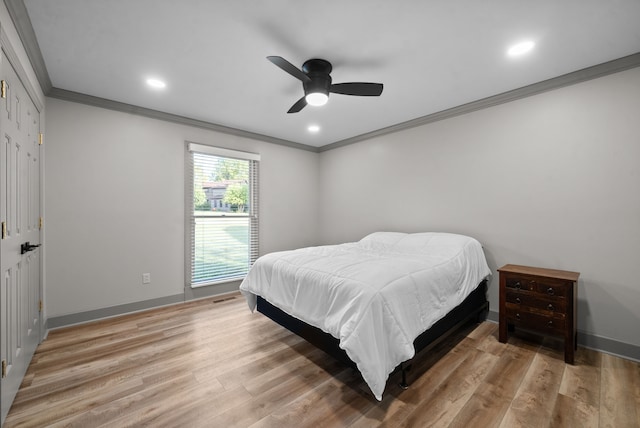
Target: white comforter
375, 295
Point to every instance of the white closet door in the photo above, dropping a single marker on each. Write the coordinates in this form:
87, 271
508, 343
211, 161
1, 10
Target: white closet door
20, 267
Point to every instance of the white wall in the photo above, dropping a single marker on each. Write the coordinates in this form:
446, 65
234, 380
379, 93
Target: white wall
552, 180
115, 204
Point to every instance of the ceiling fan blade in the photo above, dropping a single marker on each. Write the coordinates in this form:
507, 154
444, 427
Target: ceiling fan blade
357, 88
299, 105
289, 68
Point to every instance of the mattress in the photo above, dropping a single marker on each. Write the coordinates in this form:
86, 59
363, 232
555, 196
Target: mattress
375, 295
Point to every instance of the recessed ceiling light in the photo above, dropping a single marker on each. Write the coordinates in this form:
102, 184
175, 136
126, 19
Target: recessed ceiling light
521, 48
313, 128
156, 83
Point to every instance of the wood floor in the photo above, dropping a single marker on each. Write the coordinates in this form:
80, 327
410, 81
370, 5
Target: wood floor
213, 363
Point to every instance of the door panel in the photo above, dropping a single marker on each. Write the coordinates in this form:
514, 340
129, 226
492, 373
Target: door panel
20, 213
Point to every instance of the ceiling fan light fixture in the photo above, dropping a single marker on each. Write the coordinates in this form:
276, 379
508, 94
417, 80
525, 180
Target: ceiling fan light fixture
316, 98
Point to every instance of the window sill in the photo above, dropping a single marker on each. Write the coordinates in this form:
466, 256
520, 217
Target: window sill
221, 281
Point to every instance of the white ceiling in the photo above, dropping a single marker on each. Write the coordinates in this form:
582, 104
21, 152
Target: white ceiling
430, 55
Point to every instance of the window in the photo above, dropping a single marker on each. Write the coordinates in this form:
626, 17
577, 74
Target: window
222, 214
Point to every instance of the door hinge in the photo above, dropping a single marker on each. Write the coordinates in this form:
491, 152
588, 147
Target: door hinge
40, 136
4, 229
40, 223
40, 306
3, 89
4, 368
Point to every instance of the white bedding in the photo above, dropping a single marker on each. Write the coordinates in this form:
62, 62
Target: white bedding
375, 295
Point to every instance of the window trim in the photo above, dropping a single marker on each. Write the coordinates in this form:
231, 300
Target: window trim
219, 151
252, 216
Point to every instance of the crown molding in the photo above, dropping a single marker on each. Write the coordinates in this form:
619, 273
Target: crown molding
77, 97
600, 70
22, 22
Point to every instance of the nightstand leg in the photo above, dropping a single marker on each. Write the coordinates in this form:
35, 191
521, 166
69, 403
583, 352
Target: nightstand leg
502, 332
569, 348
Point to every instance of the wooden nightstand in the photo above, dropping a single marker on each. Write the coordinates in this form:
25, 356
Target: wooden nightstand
539, 300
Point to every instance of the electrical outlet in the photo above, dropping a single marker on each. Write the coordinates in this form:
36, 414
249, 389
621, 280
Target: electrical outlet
146, 278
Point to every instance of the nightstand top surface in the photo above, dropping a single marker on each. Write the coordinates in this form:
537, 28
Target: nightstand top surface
536, 271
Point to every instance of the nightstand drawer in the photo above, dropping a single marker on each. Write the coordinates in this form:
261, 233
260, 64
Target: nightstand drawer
545, 286
542, 323
551, 304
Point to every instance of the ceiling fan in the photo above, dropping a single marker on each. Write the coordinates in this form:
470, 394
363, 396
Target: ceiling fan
317, 85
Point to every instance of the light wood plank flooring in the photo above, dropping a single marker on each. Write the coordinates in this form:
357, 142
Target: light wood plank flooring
212, 363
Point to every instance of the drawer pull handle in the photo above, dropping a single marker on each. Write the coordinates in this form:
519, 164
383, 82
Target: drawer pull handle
550, 291
550, 307
518, 301
517, 316
517, 285
550, 323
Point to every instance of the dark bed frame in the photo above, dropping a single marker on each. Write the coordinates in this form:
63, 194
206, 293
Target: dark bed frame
474, 307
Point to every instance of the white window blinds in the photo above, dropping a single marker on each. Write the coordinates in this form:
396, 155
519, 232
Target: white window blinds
222, 212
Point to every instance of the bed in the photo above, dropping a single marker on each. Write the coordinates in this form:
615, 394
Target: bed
377, 300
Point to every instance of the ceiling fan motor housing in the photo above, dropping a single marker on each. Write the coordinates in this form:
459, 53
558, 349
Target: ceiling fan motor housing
318, 71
